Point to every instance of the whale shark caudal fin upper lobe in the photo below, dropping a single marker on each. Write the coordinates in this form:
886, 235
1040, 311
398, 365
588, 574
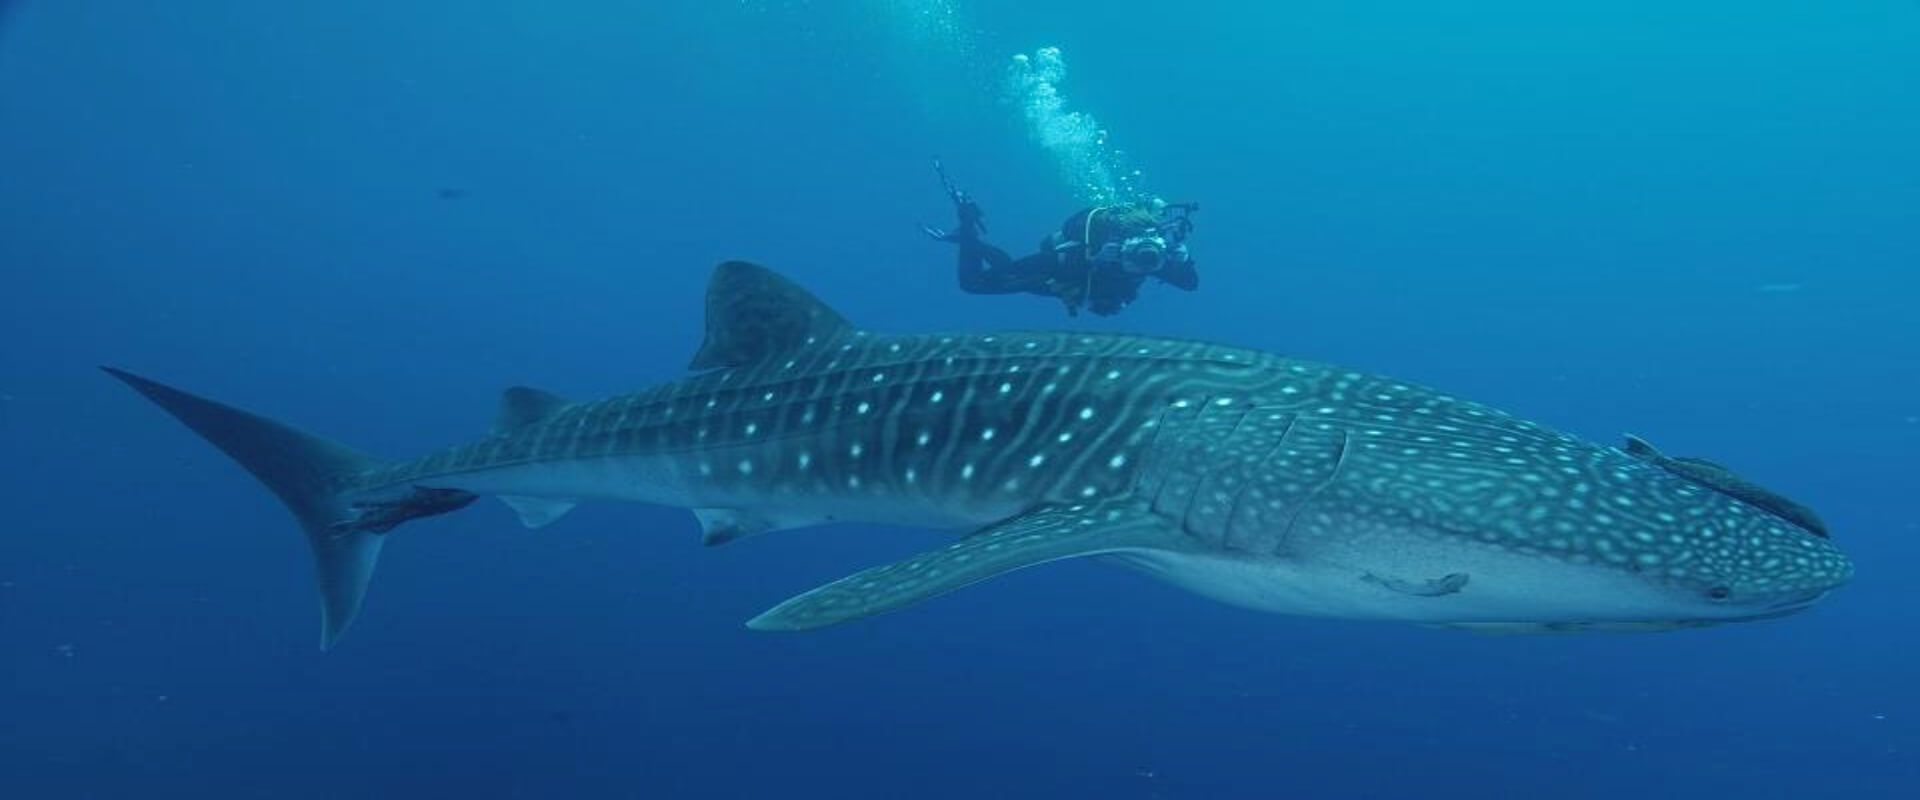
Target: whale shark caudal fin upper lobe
308, 474
1048, 533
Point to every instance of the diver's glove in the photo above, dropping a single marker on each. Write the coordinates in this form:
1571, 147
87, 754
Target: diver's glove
1108, 253
972, 222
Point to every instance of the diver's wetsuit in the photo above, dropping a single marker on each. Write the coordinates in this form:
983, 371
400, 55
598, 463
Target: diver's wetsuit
1068, 274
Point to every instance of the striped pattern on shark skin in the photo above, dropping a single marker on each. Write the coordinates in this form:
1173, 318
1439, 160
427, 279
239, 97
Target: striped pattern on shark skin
1275, 483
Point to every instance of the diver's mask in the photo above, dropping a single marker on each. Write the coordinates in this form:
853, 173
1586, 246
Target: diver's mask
1143, 255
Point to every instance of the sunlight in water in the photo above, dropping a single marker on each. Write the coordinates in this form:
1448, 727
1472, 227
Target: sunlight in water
935, 25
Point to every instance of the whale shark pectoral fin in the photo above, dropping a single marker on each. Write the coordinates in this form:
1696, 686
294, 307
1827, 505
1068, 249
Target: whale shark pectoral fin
1048, 533
1432, 587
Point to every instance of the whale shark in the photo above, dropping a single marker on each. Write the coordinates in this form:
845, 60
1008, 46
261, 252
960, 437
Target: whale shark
1263, 481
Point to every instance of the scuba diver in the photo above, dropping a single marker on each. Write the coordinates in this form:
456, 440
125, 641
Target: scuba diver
1097, 260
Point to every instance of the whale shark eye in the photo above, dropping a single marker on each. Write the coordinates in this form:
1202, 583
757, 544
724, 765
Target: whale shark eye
1719, 593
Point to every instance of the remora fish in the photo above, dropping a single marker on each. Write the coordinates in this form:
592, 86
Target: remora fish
1267, 482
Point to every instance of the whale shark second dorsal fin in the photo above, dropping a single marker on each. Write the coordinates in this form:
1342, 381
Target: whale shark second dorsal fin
754, 314
521, 406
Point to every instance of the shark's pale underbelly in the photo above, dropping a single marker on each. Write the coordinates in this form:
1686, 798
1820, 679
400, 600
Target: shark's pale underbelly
1432, 581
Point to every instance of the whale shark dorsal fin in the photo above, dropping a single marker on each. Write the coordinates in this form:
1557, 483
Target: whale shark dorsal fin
1048, 533
754, 314
521, 406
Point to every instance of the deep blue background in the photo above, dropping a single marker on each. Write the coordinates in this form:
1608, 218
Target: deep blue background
1696, 221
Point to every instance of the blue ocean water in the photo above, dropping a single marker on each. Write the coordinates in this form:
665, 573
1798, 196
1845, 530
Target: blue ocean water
1699, 222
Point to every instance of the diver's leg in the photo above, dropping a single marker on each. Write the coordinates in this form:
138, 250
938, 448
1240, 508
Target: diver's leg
985, 269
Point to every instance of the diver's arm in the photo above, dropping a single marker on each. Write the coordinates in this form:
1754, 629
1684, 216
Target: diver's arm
1180, 275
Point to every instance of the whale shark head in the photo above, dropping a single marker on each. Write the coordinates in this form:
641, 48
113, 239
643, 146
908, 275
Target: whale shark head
1617, 545
1516, 529
1727, 549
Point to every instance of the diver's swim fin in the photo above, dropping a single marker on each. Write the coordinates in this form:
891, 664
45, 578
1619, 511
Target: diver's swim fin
973, 221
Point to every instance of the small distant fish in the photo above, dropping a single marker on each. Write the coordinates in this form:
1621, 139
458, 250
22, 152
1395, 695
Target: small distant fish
1779, 288
451, 193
